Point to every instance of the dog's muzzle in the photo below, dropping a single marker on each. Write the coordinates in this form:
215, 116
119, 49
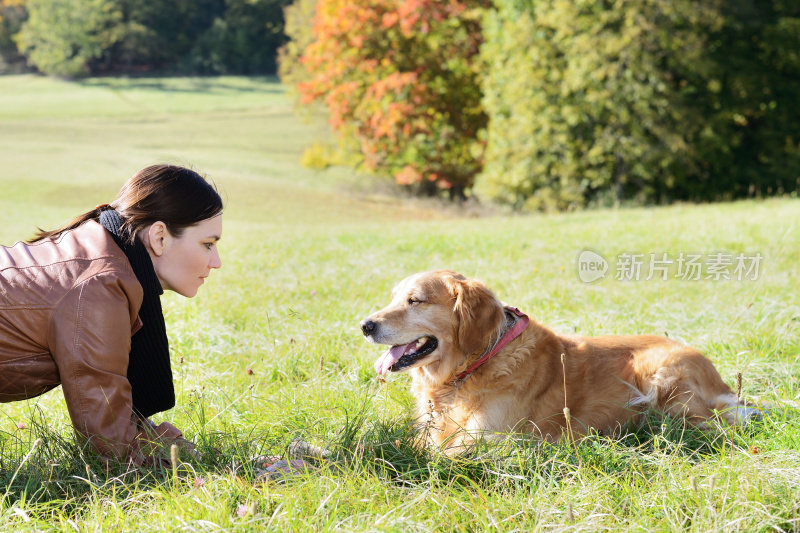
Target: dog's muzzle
368, 327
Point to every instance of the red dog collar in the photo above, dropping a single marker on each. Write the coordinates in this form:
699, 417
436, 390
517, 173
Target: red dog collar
521, 321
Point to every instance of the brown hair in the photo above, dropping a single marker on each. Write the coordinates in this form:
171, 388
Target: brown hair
174, 195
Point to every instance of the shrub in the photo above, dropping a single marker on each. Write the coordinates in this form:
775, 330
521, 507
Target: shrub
640, 100
586, 97
400, 81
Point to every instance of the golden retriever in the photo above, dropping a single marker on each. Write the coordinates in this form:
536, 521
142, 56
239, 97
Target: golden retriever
440, 323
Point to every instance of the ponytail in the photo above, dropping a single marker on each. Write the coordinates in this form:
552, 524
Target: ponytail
72, 224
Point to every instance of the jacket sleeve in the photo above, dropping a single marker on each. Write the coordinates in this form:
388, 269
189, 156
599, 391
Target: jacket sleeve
90, 341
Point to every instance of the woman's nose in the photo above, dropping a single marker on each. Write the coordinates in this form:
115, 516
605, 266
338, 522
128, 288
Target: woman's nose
216, 262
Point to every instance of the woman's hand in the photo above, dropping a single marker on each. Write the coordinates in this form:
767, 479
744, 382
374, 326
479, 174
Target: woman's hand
164, 434
166, 431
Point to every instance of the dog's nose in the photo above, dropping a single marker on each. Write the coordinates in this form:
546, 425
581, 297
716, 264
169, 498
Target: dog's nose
368, 327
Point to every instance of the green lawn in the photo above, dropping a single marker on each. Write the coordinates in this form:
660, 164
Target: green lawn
306, 255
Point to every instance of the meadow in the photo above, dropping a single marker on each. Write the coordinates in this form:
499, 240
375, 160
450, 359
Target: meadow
270, 350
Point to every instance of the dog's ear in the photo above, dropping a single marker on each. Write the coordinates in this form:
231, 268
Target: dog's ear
479, 314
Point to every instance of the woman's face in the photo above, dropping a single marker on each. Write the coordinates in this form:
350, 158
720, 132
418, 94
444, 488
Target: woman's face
182, 263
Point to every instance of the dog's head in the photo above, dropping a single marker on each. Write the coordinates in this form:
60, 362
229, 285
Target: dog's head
436, 320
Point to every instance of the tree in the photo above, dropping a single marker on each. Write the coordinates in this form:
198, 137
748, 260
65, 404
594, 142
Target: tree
750, 143
645, 101
160, 34
401, 80
12, 16
244, 39
62, 37
587, 99
81, 37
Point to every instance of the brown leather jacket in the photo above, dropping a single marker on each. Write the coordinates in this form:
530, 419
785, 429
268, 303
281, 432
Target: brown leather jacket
68, 309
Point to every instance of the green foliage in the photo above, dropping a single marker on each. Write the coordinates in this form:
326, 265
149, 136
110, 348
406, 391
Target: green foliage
585, 99
193, 36
159, 33
647, 101
400, 80
12, 16
750, 143
62, 37
244, 39
299, 23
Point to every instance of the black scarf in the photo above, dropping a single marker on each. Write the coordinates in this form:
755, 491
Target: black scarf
149, 371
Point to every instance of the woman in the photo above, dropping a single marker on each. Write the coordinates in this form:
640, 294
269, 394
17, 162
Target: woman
80, 306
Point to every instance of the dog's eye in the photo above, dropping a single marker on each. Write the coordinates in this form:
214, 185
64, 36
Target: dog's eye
412, 300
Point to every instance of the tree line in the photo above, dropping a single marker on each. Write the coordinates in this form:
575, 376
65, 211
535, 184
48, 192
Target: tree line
559, 104
74, 38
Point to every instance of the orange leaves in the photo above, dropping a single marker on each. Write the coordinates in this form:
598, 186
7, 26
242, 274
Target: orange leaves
339, 103
410, 13
369, 65
420, 14
408, 176
396, 82
397, 77
390, 19
385, 124
393, 108
337, 18
307, 94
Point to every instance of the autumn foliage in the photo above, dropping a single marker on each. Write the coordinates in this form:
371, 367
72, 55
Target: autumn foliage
400, 81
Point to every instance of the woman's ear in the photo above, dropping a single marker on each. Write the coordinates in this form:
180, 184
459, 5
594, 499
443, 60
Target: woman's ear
479, 314
155, 238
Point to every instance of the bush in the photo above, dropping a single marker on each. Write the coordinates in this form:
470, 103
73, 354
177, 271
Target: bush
587, 97
400, 81
320, 155
639, 100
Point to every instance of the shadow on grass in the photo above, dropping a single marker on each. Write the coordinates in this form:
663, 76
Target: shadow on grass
193, 84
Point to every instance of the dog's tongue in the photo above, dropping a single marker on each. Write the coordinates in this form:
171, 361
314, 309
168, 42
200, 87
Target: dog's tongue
385, 362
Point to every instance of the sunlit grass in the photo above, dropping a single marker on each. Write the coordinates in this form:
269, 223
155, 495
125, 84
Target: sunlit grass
304, 260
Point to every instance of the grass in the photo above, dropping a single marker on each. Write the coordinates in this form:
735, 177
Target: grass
306, 254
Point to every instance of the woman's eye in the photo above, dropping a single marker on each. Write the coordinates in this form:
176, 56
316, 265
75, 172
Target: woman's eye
208, 245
